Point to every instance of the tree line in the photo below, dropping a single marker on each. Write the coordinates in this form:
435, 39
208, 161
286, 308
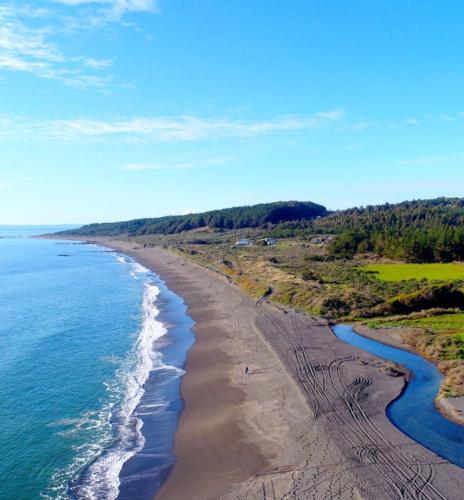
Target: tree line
415, 231
261, 215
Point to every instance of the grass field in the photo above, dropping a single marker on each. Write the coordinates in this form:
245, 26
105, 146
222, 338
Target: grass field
444, 323
432, 272
438, 338
301, 277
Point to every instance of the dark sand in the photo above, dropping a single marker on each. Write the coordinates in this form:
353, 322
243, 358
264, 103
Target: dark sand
308, 421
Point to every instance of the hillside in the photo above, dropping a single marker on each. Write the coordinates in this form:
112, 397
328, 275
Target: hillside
420, 230
397, 217
415, 231
229, 218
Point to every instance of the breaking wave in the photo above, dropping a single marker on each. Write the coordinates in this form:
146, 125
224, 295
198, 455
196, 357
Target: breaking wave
101, 479
112, 434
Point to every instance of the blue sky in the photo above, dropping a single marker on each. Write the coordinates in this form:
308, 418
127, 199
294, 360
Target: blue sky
115, 109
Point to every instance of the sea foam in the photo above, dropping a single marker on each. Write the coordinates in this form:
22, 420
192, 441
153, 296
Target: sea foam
116, 423
101, 479
136, 268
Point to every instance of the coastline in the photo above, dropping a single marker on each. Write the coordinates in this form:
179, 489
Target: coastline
285, 429
234, 427
452, 409
160, 406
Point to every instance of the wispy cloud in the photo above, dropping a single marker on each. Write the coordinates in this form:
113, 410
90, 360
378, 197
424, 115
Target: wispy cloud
30, 38
115, 9
28, 49
438, 118
161, 128
360, 126
409, 189
177, 165
429, 160
412, 121
446, 117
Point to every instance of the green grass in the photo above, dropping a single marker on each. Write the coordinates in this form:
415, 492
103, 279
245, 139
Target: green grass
401, 272
442, 323
440, 337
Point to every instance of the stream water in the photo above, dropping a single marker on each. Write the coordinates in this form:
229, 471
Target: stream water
414, 411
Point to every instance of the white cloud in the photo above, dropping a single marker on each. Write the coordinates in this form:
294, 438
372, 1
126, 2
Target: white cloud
442, 117
29, 50
429, 160
360, 126
446, 117
177, 165
161, 128
115, 9
412, 121
95, 63
410, 189
17, 38
142, 167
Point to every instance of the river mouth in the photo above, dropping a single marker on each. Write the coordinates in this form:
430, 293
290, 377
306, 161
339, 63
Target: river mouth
414, 411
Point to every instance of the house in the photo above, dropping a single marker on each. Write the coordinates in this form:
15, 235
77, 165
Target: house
323, 239
270, 241
242, 242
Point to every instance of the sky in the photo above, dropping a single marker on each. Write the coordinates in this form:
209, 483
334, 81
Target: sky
117, 109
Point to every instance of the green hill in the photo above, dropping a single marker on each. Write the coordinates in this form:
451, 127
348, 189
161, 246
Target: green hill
419, 230
414, 231
260, 215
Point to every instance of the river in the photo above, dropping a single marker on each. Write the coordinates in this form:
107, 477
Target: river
414, 411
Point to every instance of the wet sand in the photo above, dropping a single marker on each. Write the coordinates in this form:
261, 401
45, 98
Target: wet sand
308, 421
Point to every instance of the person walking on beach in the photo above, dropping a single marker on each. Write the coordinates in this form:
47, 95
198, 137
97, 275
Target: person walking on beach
246, 370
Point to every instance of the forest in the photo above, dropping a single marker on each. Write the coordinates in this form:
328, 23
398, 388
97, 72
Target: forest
414, 231
261, 215
411, 231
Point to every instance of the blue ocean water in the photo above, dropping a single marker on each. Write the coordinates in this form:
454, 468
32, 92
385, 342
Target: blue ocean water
82, 339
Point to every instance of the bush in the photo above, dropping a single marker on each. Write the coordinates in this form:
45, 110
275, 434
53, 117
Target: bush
346, 245
308, 275
442, 296
334, 306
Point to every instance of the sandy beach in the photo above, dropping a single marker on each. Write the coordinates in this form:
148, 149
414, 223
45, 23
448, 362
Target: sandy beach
308, 421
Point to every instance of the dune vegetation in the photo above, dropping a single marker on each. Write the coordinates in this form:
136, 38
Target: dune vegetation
389, 266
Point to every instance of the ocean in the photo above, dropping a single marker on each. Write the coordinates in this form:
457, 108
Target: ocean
92, 349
